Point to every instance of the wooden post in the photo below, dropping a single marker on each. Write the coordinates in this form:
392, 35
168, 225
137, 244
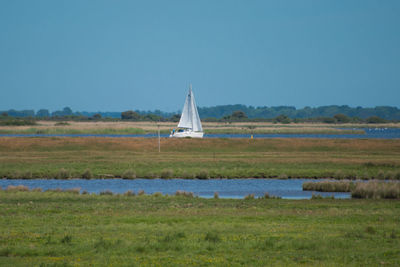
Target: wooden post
159, 145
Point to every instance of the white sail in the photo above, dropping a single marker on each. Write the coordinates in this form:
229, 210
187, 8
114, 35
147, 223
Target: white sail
190, 117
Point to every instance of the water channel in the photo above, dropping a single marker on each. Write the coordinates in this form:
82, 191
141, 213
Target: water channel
226, 188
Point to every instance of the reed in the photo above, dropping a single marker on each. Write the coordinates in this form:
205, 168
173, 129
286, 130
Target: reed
329, 186
184, 193
377, 190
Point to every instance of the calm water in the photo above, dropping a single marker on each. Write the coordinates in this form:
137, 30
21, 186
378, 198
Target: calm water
227, 188
381, 133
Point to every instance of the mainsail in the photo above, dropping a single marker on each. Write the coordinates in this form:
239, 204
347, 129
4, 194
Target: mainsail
190, 117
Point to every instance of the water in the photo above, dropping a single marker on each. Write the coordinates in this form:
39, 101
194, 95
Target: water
375, 133
226, 188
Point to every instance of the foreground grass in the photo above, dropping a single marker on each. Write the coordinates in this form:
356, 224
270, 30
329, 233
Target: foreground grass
59, 157
66, 229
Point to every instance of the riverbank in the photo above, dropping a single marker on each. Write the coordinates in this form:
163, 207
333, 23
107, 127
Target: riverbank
68, 229
96, 157
127, 127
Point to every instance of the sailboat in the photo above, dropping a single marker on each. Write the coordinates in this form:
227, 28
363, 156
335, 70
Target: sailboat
189, 124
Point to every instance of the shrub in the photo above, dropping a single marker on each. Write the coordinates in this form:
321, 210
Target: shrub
129, 174
249, 196
216, 195
188, 175
63, 174
129, 193
157, 194
87, 174
84, 192
106, 192
167, 173
203, 174
141, 192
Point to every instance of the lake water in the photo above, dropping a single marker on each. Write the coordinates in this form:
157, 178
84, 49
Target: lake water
380, 133
226, 188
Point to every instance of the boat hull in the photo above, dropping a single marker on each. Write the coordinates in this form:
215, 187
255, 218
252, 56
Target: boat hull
187, 134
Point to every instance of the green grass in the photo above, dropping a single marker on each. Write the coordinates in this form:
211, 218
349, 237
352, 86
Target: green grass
66, 229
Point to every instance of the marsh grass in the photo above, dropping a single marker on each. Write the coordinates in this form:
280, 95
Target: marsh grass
129, 174
87, 174
167, 173
377, 190
369, 189
329, 186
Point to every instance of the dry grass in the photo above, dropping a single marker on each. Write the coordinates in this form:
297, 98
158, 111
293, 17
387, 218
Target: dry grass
376, 190
329, 186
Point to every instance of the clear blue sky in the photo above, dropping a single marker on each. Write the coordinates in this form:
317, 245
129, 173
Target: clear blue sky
119, 55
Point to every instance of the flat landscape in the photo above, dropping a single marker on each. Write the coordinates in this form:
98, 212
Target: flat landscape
145, 127
67, 229
101, 157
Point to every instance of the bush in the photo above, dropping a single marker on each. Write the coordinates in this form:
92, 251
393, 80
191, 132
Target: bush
157, 194
87, 174
216, 195
106, 192
129, 174
203, 174
167, 173
141, 192
249, 196
129, 193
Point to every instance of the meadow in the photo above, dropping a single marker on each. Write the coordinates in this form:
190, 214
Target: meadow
100, 157
146, 127
72, 229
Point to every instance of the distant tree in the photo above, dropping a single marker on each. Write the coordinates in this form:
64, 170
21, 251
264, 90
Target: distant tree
238, 115
4, 114
375, 119
175, 118
130, 115
282, 119
328, 120
341, 118
97, 116
43, 113
67, 111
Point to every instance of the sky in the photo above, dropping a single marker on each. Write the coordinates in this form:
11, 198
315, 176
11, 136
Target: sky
95, 55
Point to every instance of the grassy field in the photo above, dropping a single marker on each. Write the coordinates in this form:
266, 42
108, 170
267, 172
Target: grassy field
66, 229
59, 157
127, 127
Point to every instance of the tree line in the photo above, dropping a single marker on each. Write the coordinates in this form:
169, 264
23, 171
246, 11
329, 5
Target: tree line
226, 113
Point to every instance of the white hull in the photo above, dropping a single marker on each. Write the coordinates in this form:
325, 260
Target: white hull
187, 134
